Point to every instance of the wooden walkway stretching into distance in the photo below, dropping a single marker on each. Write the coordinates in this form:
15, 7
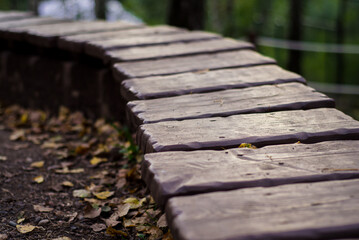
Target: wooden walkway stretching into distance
193, 98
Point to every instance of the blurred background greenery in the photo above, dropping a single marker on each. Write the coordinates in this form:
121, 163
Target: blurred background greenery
317, 39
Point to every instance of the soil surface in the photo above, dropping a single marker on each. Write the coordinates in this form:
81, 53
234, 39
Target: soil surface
66, 177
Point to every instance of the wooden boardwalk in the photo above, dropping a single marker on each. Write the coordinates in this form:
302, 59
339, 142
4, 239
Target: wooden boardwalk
194, 98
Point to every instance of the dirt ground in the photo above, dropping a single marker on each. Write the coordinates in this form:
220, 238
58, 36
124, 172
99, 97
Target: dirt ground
66, 177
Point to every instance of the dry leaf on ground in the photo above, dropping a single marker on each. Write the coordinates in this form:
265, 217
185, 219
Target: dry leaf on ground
114, 232
3, 158
134, 202
39, 208
162, 223
38, 164
104, 195
67, 184
38, 179
25, 228
81, 193
98, 227
95, 161
90, 212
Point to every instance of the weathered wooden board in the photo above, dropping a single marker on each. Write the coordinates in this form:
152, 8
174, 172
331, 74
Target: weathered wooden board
260, 129
323, 210
175, 50
13, 15
233, 59
267, 98
98, 48
46, 35
170, 174
205, 81
75, 43
29, 22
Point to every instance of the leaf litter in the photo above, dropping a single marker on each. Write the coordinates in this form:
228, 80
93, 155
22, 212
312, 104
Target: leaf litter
93, 182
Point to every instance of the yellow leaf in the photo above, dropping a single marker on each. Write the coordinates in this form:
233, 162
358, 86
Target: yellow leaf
24, 118
38, 179
66, 170
20, 220
95, 161
104, 195
67, 184
134, 202
62, 238
3, 158
25, 228
247, 145
114, 232
38, 164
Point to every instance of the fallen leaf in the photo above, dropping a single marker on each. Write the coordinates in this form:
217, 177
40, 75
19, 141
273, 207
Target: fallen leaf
155, 233
38, 164
62, 238
162, 223
20, 220
247, 145
121, 211
114, 232
39, 208
134, 202
98, 227
71, 216
17, 146
82, 149
66, 170
67, 184
25, 228
3, 158
121, 183
38, 179
95, 161
18, 135
104, 195
3, 236
52, 145
81, 193
90, 212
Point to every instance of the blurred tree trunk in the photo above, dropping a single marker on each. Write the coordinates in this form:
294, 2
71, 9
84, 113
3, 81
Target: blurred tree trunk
100, 9
13, 4
34, 6
295, 33
340, 37
187, 14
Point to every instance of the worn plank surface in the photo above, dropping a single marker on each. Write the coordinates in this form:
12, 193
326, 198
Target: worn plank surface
169, 174
241, 58
12, 15
46, 35
29, 22
98, 48
324, 210
267, 98
175, 50
323, 124
76, 43
205, 81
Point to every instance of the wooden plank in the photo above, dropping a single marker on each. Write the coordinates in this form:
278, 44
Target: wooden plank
13, 15
260, 129
75, 43
46, 35
268, 98
175, 50
29, 22
160, 67
205, 81
324, 210
100, 47
170, 174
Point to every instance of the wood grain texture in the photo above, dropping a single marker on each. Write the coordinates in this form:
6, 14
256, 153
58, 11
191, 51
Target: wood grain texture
76, 43
175, 50
46, 35
160, 67
324, 210
205, 81
99, 48
34, 21
267, 98
170, 174
260, 129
